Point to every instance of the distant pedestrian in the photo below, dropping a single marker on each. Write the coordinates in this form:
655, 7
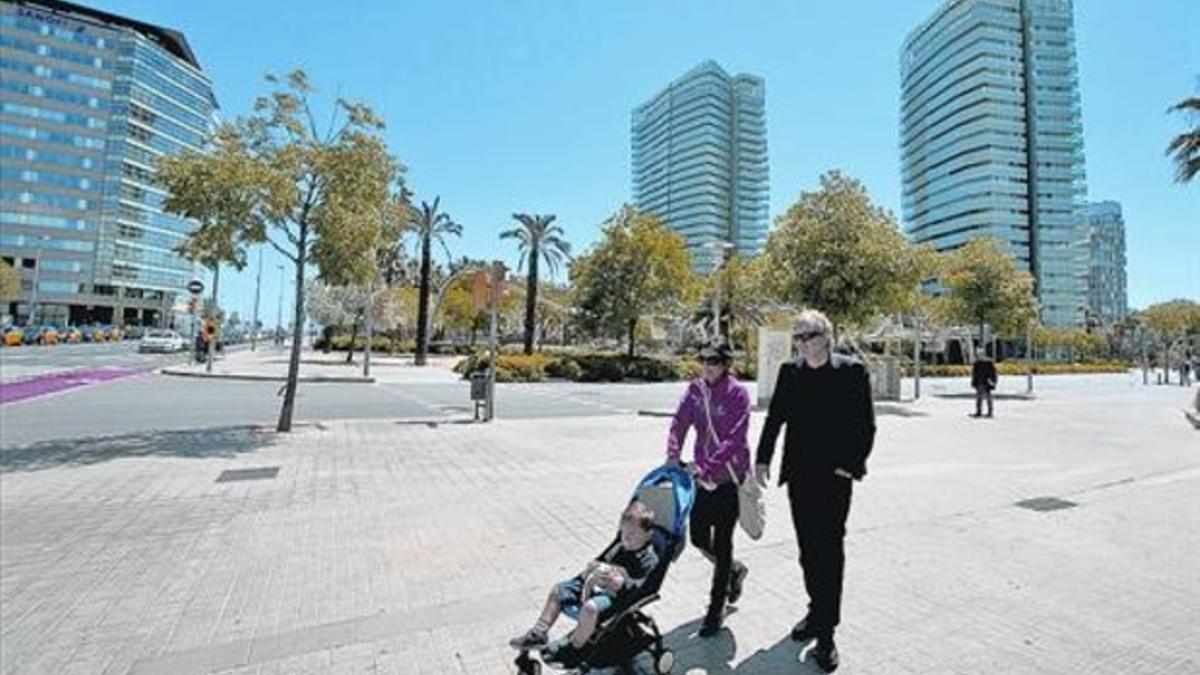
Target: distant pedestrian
983, 380
717, 406
825, 401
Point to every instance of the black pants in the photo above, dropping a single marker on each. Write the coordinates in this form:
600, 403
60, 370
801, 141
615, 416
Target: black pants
714, 515
983, 394
819, 509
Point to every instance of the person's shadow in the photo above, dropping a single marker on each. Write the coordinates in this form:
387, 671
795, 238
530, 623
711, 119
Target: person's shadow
713, 656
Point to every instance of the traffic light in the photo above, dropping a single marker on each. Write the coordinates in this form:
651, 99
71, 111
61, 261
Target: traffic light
193, 304
210, 330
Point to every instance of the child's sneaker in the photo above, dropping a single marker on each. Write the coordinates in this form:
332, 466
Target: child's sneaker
530, 639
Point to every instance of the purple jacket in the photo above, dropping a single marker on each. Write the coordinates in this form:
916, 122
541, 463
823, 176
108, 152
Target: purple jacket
730, 407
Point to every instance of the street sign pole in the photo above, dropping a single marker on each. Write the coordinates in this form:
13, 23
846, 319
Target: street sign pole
497, 285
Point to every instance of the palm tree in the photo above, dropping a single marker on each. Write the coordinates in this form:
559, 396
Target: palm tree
430, 226
1186, 146
539, 240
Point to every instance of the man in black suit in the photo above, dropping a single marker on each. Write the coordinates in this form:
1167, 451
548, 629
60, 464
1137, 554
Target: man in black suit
983, 380
825, 401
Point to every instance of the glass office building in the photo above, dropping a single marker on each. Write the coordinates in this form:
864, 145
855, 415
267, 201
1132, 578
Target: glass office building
991, 140
1108, 300
700, 161
88, 101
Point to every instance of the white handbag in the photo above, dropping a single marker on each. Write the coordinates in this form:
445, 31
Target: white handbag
752, 512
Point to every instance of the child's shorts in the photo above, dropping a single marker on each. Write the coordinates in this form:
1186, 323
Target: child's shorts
568, 595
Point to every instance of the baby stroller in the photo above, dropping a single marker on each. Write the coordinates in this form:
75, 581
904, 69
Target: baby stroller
669, 492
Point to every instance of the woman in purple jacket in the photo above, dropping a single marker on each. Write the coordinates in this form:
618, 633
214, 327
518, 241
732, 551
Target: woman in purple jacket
718, 406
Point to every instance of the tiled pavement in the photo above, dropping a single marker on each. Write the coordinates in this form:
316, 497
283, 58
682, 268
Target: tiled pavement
384, 547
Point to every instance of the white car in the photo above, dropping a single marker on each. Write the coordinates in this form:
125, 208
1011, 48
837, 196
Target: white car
165, 341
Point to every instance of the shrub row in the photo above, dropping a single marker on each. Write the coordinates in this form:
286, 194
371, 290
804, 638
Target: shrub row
384, 343
1019, 368
594, 367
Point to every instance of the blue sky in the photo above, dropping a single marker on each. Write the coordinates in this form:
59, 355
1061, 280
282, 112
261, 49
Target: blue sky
523, 105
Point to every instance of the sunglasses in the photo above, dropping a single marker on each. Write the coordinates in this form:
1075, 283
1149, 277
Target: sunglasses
711, 360
806, 336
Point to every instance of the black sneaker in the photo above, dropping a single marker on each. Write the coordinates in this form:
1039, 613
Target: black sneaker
562, 655
804, 631
736, 581
826, 655
530, 639
712, 623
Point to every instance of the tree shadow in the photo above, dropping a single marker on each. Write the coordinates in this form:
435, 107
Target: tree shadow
188, 444
898, 410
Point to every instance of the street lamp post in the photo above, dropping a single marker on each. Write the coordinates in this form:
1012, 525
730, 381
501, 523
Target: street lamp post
257, 295
279, 310
720, 247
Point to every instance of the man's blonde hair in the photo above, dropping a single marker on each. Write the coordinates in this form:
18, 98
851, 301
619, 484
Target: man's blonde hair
815, 317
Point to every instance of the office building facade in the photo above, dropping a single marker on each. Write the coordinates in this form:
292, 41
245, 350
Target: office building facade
700, 162
1108, 300
991, 140
88, 101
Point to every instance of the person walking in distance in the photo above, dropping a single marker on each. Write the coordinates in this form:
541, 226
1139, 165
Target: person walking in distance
983, 380
825, 401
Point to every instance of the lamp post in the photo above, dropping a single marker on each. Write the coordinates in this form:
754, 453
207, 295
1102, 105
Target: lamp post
279, 310
719, 247
257, 295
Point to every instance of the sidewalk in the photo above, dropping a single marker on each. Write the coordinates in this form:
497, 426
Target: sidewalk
271, 363
385, 547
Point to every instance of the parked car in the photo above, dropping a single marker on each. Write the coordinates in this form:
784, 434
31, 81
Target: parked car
73, 336
47, 335
163, 341
13, 337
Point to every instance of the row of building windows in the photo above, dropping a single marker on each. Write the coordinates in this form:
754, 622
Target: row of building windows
42, 26
16, 152
49, 136
53, 115
39, 70
51, 93
44, 199
23, 241
41, 220
48, 178
59, 53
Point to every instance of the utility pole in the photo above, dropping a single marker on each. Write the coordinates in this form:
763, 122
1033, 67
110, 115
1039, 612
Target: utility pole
215, 315
279, 310
257, 294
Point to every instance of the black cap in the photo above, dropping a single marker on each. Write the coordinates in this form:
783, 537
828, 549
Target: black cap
718, 350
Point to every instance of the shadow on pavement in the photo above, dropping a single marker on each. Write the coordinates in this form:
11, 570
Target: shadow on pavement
898, 410
713, 656
191, 443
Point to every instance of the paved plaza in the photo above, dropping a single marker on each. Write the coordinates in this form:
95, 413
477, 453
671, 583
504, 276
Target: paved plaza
394, 546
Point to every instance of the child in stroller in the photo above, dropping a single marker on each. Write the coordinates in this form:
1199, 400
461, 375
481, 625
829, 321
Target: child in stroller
607, 597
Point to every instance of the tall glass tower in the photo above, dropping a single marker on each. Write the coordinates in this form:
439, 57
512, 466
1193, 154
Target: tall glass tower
1107, 297
991, 140
88, 102
700, 161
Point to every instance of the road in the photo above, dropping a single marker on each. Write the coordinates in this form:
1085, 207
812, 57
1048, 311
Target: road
34, 360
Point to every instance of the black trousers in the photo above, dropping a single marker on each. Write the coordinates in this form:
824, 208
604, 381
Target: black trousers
819, 508
714, 516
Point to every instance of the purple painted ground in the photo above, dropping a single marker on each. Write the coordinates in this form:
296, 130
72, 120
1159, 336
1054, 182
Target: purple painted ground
47, 384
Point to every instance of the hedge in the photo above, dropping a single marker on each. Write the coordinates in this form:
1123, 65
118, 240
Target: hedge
595, 367
1020, 368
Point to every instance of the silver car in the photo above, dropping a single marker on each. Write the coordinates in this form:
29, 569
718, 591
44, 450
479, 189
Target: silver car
164, 341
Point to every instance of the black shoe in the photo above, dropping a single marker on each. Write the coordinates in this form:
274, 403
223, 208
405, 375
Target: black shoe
712, 624
975, 415
736, 581
804, 631
826, 655
562, 655
530, 639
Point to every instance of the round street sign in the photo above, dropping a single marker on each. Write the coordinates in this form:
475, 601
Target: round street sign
196, 286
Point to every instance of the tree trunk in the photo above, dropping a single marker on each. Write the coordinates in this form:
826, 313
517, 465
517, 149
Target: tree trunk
353, 337
632, 332
531, 289
982, 344
289, 396
423, 301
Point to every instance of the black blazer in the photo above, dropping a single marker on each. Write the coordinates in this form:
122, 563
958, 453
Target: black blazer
983, 373
840, 438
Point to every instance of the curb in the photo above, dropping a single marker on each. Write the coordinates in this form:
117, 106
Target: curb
245, 377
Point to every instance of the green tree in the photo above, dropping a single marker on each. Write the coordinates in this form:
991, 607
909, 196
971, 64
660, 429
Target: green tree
314, 195
1185, 148
741, 284
539, 239
639, 267
10, 282
984, 286
1172, 320
431, 225
836, 251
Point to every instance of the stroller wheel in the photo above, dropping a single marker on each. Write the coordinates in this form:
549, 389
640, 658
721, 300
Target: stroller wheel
665, 662
527, 666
